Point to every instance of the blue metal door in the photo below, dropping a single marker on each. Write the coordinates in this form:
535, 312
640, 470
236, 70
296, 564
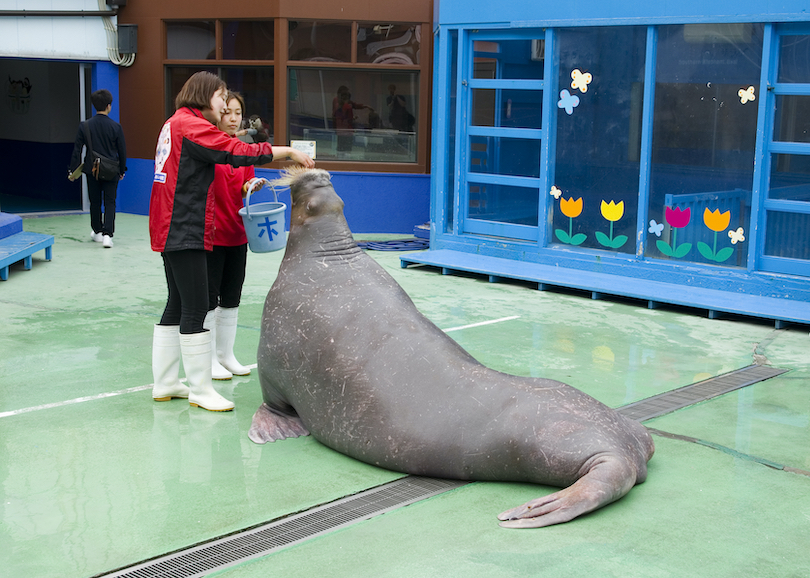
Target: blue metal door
502, 143
784, 242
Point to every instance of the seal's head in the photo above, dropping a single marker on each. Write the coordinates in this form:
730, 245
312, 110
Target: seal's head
311, 191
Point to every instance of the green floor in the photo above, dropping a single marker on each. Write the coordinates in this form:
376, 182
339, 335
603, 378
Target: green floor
95, 475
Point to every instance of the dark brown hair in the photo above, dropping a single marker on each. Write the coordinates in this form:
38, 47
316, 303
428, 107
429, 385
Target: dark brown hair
233, 94
198, 90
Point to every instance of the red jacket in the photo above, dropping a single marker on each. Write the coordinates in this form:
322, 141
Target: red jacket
181, 210
229, 230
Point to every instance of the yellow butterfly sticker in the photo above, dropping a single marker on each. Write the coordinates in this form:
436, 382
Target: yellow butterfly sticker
746, 95
580, 79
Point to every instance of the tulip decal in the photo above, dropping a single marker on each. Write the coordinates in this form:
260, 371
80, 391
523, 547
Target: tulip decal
571, 209
612, 212
716, 221
677, 218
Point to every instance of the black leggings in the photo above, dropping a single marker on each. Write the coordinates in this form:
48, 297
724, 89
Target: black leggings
226, 275
187, 278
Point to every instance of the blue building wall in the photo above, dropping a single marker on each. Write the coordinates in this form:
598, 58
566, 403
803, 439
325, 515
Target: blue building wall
375, 202
483, 216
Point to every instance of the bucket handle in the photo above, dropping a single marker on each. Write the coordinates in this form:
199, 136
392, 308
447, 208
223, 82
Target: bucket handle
252, 189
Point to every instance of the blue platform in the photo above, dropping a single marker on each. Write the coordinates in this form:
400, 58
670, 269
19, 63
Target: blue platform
715, 301
18, 245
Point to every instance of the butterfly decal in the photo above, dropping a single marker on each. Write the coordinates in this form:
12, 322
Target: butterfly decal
656, 228
746, 95
736, 236
568, 101
555, 192
580, 80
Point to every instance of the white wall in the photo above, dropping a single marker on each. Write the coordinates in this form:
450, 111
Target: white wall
80, 37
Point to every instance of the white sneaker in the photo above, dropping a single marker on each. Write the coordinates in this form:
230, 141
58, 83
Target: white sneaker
97, 237
108, 242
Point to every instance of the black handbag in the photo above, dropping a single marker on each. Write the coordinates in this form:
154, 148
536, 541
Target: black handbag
103, 168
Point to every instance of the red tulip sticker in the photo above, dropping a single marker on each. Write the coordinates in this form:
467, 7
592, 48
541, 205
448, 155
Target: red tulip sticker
676, 218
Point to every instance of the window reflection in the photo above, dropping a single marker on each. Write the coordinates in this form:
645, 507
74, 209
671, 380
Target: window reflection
190, 40
247, 40
320, 41
254, 83
597, 156
355, 115
704, 136
383, 43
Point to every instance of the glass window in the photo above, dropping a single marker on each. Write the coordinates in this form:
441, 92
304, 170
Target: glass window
355, 115
190, 40
787, 235
320, 41
704, 136
792, 121
507, 108
383, 43
503, 203
505, 156
254, 83
176, 77
247, 40
794, 60
511, 59
597, 154
790, 177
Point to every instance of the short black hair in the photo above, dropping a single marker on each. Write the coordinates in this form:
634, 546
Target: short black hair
101, 99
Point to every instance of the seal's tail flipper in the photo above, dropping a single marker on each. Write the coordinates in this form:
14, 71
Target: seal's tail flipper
608, 479
269, 426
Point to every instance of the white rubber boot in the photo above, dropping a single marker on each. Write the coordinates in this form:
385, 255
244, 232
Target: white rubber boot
217, 371
225, 338
196, 349
166, 363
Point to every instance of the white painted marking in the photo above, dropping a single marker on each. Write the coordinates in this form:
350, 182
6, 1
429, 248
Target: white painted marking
144, 387
482, 323
83, 399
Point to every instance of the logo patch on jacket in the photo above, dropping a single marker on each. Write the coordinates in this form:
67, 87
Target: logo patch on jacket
164, 148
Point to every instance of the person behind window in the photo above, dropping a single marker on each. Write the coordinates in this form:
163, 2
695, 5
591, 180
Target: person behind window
398, 114
343, 117
108, 140
181, 229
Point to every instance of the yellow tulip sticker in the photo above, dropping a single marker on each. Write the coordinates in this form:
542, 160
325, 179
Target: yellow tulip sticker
611, 211
717, 222
570, 208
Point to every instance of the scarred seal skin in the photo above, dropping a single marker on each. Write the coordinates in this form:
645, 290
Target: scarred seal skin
345, 355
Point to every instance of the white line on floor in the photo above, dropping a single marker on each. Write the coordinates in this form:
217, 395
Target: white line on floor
143, 387
82, 399
482, 323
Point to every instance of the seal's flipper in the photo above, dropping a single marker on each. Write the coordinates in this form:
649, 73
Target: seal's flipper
269, 426
608, 479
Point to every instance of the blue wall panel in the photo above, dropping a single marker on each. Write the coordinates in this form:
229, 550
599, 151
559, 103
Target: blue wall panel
375, 202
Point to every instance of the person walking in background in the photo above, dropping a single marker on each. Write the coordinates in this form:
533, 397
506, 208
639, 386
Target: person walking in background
181, 229
107, 139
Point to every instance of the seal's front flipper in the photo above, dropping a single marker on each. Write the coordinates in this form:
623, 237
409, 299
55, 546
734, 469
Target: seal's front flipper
608, 479
269, 426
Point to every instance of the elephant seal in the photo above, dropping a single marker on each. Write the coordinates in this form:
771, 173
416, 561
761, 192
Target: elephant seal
345, 354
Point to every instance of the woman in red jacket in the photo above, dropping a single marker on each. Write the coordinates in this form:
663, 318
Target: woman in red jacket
181, 228
226, 263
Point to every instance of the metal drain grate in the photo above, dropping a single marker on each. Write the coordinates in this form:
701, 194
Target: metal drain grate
262, 540
701, 391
